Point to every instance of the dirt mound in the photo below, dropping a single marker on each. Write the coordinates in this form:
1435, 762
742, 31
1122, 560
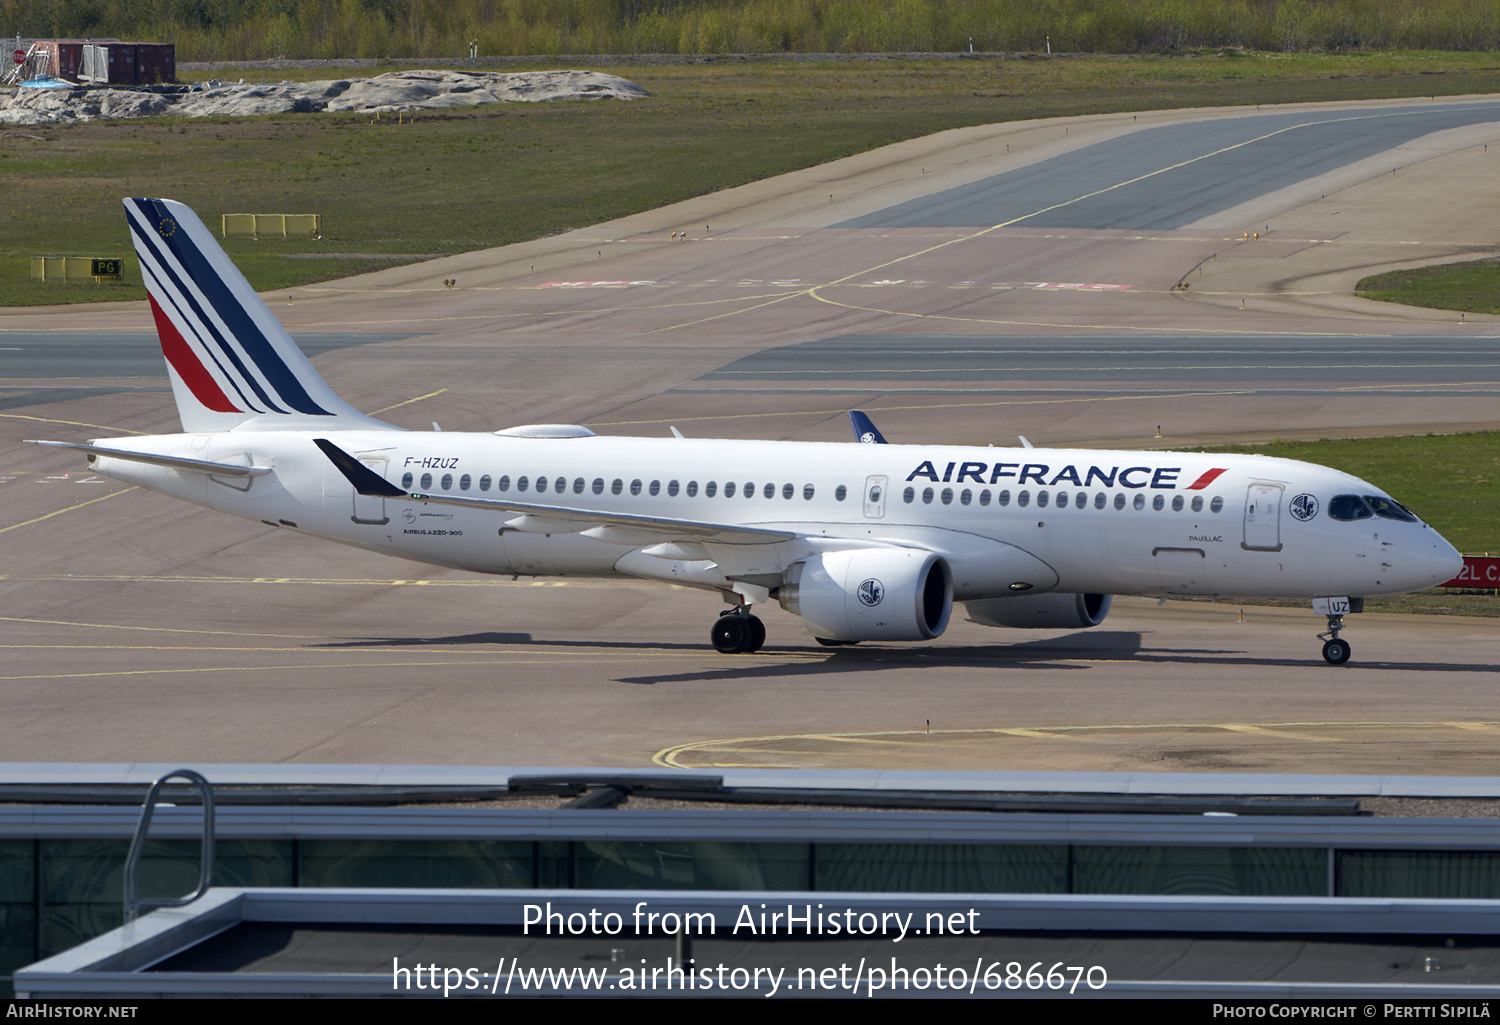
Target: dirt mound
397, 91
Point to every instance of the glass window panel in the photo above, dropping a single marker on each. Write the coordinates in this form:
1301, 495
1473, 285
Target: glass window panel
606, 864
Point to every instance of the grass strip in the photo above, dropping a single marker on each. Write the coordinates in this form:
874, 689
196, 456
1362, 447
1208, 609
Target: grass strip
1473, 287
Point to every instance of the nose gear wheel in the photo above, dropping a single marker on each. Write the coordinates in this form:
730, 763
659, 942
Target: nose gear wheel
1335, 651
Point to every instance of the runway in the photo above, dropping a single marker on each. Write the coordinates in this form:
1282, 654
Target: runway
140, 629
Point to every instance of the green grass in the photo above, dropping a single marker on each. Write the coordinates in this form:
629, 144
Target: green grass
454, 181
1473, 287
1450, 480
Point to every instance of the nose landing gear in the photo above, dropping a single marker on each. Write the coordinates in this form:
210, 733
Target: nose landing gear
1336, 650
737, 632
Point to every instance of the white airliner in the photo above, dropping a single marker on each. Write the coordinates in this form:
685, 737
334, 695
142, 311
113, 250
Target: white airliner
863, 542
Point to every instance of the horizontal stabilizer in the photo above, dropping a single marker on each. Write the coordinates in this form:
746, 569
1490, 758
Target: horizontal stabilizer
176, 462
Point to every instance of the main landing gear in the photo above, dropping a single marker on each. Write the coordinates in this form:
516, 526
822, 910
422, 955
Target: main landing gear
737, 632
1336, 651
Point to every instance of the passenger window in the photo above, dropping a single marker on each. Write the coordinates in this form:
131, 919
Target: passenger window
965, 497
406, 482
671, 489
655, 488
947, 496
484, 483
541, 485
598, 485
710, 489
927, 496
1177, 503
840, 493
1023, 499
560, 485
463, 482
787, 491
1197, 505
1159, 503
1101, 500
635, 487
692, 488
1003, 498
1042, 498
729, 487
984, 498
1062, 499
807, 492
1140, 501
1216, 505
907, 496
616, 486
749, 489
503, 484
769, 491
522, 483
578, 483
1348, 507
426, 482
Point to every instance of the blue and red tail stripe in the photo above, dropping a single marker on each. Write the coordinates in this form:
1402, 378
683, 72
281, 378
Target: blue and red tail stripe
210, 335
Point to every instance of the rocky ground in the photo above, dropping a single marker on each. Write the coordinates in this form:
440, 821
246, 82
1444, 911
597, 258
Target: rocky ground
389, 93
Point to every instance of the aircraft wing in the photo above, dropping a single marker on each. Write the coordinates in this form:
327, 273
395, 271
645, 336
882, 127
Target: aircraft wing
560, 519
176, 462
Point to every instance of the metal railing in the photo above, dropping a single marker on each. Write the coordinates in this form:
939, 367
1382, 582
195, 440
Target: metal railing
133, 901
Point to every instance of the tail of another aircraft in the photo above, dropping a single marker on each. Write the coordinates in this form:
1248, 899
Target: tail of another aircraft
230, 360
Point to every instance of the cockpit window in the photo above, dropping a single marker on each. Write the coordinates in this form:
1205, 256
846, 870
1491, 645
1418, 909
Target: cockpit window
1390, 509
1348, 507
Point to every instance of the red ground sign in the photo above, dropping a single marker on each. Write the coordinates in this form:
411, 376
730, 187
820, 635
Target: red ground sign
1478, 571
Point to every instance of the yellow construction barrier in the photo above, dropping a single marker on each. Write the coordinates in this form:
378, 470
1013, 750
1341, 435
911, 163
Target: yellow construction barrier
75, 268
256, 225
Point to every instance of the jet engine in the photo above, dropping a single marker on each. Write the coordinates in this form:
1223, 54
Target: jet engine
1041, 611
871, 594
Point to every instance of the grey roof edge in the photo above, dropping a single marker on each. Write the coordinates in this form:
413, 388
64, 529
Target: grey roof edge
1163, 783
746, 826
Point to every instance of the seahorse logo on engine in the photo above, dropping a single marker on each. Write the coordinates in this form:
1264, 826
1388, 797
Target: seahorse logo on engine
871, 592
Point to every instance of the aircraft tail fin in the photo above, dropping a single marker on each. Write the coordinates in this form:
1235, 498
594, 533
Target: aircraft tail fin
864, 429
230, 360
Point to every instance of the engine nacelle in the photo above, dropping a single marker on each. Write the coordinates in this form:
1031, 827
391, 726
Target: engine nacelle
871, 594
1041, 611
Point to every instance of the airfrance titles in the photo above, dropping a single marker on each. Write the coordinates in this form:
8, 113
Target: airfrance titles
1044, 475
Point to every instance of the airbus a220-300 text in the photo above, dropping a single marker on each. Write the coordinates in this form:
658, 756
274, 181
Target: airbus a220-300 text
862, 542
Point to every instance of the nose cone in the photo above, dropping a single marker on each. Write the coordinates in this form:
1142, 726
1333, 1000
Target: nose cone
1421, 558
1431, 561
1446, 562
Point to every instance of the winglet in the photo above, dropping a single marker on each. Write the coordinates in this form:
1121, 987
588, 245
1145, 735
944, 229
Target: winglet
864, 430
365, 480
